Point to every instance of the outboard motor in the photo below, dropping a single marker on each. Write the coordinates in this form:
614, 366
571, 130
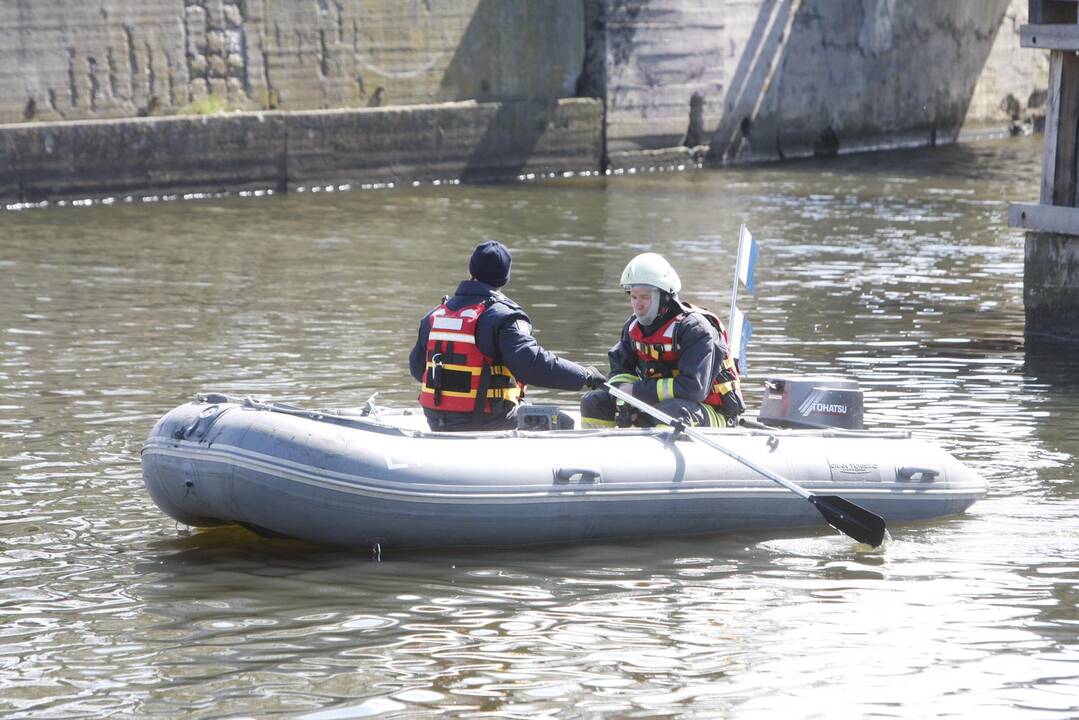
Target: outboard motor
812, 402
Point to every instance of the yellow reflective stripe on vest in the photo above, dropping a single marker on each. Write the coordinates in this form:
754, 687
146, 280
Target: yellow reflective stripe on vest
512, 394
495, 369
728, 363
588, 422
457, 368
665, 389
448, 393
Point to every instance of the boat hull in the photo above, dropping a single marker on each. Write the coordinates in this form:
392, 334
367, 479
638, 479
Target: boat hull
355, 482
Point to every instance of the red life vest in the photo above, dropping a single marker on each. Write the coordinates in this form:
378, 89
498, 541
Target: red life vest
657, 355
457, 371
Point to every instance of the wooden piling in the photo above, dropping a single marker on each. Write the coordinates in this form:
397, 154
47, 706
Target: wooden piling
1051, 262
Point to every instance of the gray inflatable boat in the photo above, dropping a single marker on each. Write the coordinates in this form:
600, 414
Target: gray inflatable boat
378, 478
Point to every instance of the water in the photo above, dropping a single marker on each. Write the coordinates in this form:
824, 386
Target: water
895, 269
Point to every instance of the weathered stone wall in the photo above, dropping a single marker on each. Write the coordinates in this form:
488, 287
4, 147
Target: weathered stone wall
76, 60
768, 79
1012, 85
480, 88
283, 150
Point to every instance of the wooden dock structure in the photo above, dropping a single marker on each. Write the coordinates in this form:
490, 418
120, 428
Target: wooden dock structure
1051, 262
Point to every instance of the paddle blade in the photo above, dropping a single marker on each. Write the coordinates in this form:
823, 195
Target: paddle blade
850, 519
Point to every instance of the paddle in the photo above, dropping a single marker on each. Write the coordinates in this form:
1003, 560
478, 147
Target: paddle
843, 515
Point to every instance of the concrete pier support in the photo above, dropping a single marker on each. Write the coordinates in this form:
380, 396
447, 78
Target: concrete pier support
1051, 273
1051, 285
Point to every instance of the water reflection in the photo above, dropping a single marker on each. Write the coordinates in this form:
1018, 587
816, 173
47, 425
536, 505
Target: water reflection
895, 269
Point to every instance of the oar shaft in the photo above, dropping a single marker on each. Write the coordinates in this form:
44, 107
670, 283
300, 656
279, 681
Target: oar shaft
843, 515
701, 437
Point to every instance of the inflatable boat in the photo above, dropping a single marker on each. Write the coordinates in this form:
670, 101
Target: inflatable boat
378, 478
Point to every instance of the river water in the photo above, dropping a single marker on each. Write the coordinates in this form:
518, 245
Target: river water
896, 269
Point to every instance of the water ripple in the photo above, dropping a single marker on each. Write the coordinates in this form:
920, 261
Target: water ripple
896, 270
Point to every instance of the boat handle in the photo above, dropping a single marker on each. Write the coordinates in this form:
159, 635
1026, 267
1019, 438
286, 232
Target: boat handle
586, 474
201, 425
917, 474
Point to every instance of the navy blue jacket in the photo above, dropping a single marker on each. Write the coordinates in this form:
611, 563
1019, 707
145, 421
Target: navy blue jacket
503, 333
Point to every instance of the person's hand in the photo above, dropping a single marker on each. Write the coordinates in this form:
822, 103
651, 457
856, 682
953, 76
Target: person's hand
594, 378
625, 414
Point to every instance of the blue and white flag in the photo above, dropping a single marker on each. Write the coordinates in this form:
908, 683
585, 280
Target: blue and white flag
747, 259
738, 336
739, 330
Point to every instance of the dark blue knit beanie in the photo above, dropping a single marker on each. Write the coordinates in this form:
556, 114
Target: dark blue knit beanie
490, 263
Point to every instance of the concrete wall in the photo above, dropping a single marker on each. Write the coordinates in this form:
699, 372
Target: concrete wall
480, 88
284, 150
107, 97
77, 60
769, 79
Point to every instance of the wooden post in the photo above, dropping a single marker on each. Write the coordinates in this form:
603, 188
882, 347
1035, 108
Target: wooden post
1051, 262
1061, 125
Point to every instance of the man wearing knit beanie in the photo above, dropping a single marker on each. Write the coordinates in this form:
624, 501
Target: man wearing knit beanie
490, 264
475, 353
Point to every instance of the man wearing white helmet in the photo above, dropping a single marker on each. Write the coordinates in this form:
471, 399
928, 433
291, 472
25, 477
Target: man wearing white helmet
672, 355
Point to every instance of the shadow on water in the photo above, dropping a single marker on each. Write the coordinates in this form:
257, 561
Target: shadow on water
1054, 383
1054, 363
196, 554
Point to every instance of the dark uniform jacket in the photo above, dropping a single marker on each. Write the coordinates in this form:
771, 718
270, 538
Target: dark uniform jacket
503, 333
701, 355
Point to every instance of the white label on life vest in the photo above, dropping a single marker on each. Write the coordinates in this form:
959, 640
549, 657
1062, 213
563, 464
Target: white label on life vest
446, 323
452, 337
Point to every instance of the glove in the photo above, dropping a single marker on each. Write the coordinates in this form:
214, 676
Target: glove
594, 378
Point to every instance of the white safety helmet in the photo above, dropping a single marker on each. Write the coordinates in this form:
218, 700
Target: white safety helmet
651, 269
